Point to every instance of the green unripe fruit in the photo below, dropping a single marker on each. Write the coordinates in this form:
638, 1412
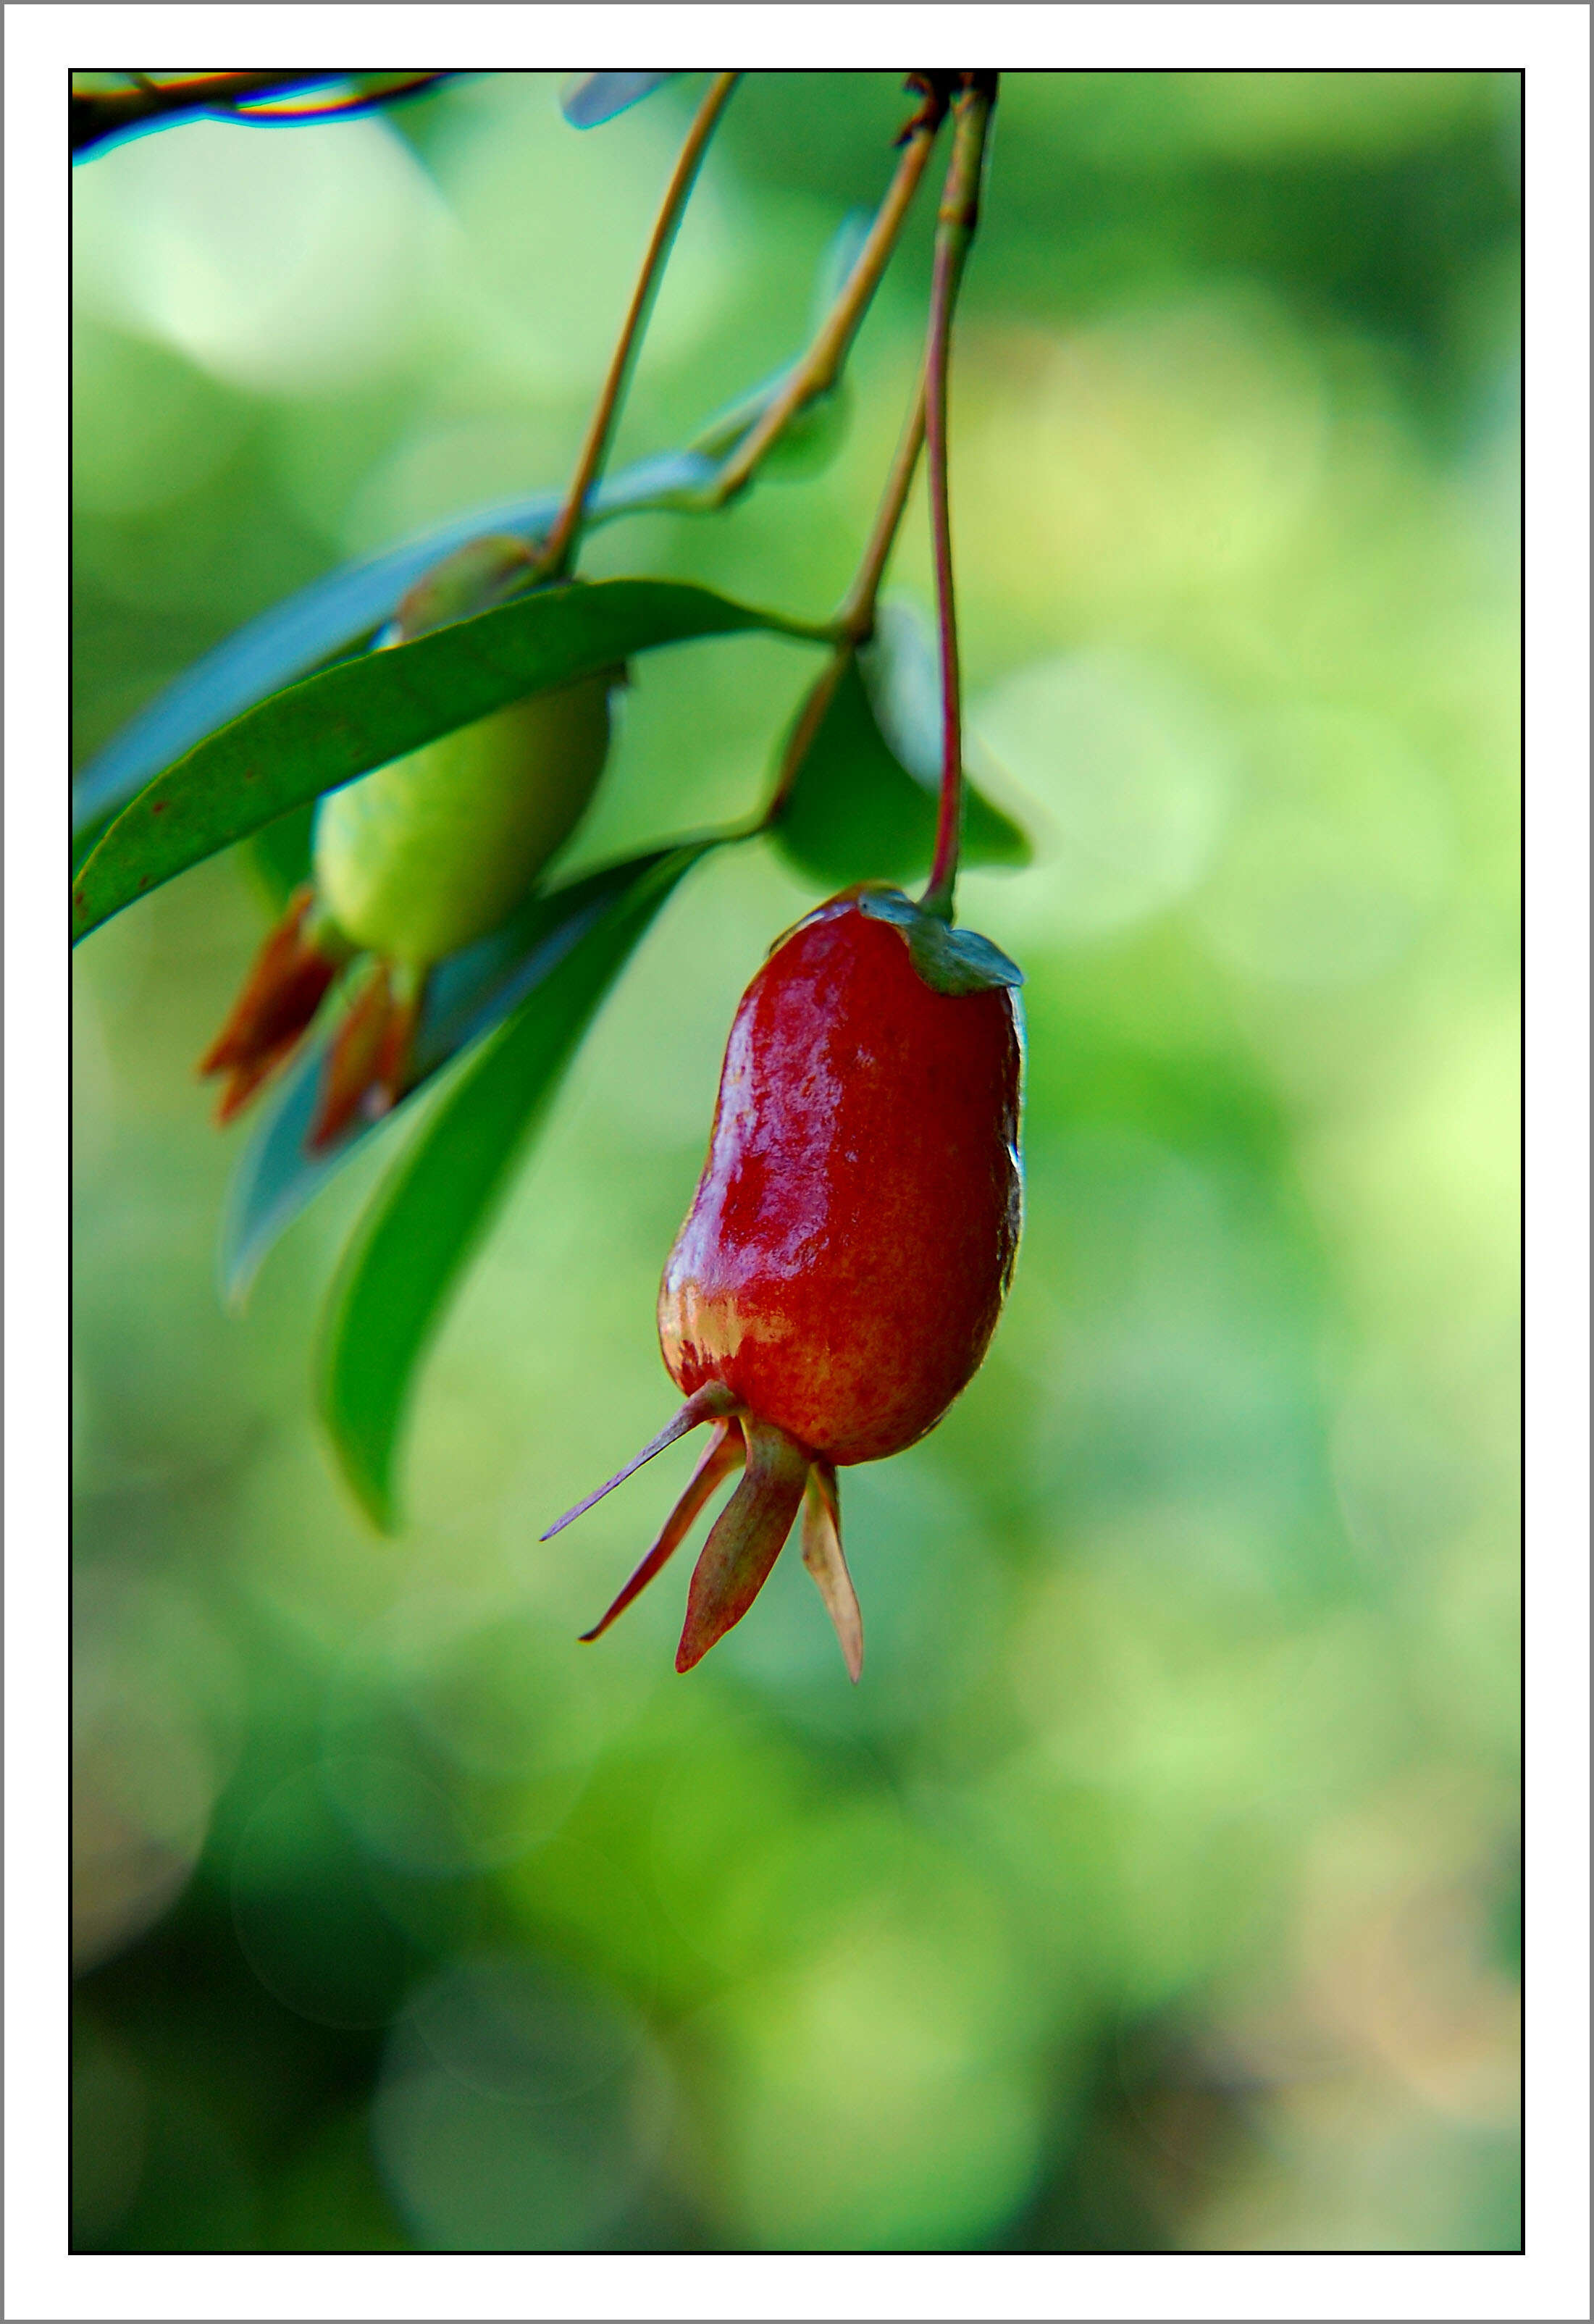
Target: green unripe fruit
426, 854
413, 861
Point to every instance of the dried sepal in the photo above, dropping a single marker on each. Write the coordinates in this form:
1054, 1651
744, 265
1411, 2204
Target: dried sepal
367, 1068
748, 1537
822, 1556
726, 1452
711, 1402
284, 989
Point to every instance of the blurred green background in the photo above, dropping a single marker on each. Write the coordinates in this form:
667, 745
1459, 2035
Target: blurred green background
1157, 1888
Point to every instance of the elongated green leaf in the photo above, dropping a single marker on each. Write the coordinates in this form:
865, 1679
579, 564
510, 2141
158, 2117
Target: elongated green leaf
280, 1174
592, 99
338, 613
332, 616
855, 812
363, 713
103, 119
413, 1244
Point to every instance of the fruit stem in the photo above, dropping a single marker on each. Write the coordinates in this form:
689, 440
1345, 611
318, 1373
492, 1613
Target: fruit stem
819, 368
955, 231
558, 550
855, 621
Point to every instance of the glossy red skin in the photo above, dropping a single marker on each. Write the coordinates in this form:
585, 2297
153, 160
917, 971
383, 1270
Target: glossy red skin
852, 1236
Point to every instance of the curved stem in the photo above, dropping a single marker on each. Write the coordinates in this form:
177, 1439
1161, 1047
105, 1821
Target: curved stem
100, 115
821, 366
955, 231
559, 549
855, 621
857, 614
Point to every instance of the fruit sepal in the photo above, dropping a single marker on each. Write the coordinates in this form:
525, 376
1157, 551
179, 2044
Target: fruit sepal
781, 1477
949, 960
290, 978
369, 1058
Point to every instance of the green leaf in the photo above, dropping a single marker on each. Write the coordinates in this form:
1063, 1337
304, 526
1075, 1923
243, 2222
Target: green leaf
338, 614
361, 713
856, 812
592, 99
280, 1173
950, 960
430, 1215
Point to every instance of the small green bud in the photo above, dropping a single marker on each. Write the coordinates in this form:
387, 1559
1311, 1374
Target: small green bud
481, 573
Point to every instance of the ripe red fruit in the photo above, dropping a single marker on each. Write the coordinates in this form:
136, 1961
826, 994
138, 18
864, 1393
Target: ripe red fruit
846, 1258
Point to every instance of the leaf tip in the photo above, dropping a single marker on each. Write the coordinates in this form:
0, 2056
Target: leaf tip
377, 1500
363, 1466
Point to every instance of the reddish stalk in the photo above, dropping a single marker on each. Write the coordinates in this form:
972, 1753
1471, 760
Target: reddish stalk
857, 614
955, 231
855, 621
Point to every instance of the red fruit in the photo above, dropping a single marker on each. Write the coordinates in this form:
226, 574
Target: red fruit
841, 1270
